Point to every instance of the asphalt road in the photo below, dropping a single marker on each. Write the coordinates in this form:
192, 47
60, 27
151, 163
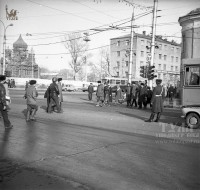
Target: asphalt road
89, 147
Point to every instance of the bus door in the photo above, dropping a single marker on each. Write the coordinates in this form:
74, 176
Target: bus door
191, 88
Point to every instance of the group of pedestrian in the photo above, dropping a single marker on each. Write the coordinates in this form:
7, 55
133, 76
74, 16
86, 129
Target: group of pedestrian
54, 96
11, 83
138, 95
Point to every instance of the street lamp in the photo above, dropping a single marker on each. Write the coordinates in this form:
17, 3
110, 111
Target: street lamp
86, 39
4, 46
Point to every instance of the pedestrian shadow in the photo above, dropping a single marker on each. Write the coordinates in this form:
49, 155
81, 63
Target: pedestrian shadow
132, 115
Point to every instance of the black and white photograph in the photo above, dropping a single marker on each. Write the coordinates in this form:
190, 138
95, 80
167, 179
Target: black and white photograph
99, 95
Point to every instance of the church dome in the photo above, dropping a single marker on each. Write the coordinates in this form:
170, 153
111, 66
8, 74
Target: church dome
20, 43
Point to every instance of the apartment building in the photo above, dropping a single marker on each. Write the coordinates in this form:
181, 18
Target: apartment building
166, 59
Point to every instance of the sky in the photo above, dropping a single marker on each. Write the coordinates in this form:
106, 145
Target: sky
48, 21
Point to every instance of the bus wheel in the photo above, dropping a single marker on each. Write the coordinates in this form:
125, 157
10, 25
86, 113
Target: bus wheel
193, 120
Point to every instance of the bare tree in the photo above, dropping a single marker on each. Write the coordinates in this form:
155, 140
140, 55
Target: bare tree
77, 48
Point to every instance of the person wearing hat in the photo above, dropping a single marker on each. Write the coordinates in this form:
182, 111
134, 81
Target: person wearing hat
90, 91
142, 94
157, 101
100, 94
3, 107
60, 92
31, 100
53, 95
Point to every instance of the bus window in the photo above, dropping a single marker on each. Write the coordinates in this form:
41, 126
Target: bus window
104, 81
118, 81
112, 81
192, 75
123, 82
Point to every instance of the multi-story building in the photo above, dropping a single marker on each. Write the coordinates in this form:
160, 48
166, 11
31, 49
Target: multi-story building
166, 59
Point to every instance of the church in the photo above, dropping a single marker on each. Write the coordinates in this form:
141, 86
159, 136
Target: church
20, 62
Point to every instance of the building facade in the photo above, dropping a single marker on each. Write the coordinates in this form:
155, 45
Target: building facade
166, 59
20, 62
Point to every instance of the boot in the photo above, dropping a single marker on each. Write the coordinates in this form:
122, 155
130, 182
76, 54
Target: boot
158, 117
32, 117
151, 118
28, 116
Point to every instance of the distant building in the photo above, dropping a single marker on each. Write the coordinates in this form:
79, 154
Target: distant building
166, 59
20, 62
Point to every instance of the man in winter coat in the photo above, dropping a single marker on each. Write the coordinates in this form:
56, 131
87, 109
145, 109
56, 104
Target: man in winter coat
31, 97
142, 96
128, 95
157, 101
54, 92
100, 94
3, 107
90, 91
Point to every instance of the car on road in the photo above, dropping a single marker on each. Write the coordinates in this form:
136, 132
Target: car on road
191, 114
69, 87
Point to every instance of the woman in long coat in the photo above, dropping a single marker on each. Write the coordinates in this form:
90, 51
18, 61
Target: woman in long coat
118, 94
157, 101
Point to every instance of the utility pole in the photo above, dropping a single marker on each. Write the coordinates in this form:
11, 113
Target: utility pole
131, 50
153, 37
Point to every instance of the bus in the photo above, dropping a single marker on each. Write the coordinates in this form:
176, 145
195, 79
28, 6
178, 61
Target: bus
115, 80
191, 94
121, 81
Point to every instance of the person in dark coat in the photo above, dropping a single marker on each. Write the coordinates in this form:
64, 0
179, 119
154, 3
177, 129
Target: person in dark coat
128, 95
90, 91
149, 95
108, 94
157, 101
3, 107
171, 92
54, 92
142, 95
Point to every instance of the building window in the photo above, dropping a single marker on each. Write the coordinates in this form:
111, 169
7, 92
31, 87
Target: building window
176, 68
192, 75
118, 43
159, 66
126, 63
159, 75
126, 73
142, 42
176, 59
172, 68
160, 56
160, 46
172, 48
118, 64
172, 59
118, 74
127, 42
164, 67
164, 76
142, 53
165, 47
165, 57
118, 53
177, 50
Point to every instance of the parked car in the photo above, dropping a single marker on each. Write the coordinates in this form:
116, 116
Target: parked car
191, 114
69, 87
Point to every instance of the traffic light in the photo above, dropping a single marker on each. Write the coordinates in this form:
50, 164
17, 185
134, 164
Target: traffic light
143, 71
151, 73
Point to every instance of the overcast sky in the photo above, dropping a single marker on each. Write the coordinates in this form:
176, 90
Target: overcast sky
49, 20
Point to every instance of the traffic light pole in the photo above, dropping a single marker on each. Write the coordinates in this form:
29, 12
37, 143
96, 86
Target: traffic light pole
131, 50
153, 37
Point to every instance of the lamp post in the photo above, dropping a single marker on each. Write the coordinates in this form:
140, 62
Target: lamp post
86, 39
4, 46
